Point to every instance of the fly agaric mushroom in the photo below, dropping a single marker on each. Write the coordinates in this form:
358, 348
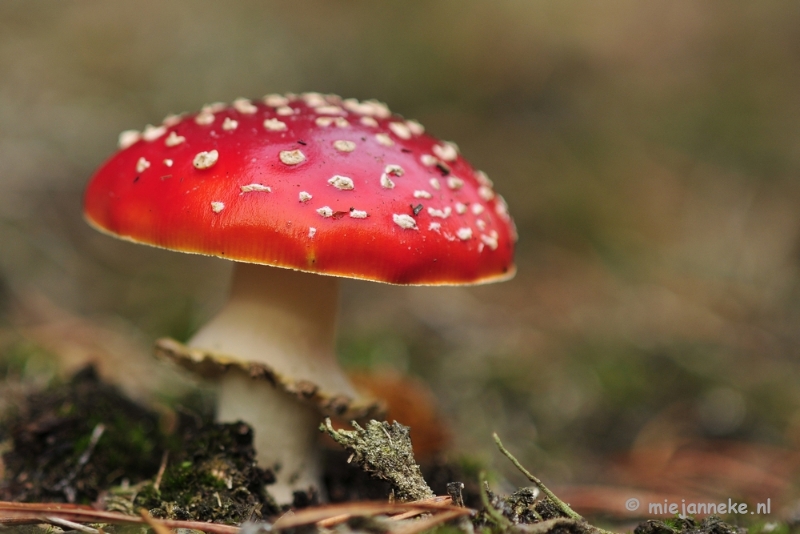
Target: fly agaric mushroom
315, 185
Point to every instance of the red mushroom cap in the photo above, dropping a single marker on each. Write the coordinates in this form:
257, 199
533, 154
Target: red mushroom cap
309, 182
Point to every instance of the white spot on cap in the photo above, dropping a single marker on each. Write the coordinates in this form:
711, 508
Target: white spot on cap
341, 122
329, 110
464, 233
394, 170
284, 111
217, 207
435, 183
421, 193
442, 214
428, 160
151, 133
483, 179
229, 124
292, 157
314, 99
323, 122
215, 107
142, 164
325, 211
358, 214
386, 182
341, 182
486, 193
400, 130
384, 139
127, 138
311, 232
435, 226
454, 182
378, 109
305, 196
173, 139
354, 105
171, 120
447, 151
476, 208
168, 162
249, 188
204, 160
461, 208
369, 121
370, 107
415, 127
274, 125
243, 105
489, 241
275, 101
344, 146
405, 221
205, 117
481, 224
501, 208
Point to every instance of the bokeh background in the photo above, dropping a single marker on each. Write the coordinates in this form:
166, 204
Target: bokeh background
649, 152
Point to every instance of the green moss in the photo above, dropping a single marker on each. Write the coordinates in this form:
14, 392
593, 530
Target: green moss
54, 429
212, 476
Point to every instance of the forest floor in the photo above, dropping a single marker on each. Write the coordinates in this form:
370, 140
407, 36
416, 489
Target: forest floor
80, 456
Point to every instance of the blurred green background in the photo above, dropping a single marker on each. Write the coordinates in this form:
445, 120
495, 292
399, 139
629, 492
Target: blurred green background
649, 152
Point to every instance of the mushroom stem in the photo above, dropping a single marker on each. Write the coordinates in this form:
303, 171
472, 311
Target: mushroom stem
286, 320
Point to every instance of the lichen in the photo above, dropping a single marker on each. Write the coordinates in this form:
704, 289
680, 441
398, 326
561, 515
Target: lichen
384, 450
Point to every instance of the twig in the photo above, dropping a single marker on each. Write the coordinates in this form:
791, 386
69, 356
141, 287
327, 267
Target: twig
161, 469
441, 500
63, 484
157, 526
32, 513
341, 518
427, 523
561, 505
454, 489
308, 516
71, 525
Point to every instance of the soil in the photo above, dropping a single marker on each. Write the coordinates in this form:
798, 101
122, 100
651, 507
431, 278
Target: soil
85, 442
75, 440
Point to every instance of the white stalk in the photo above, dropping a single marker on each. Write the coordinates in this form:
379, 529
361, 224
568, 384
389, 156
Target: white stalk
287, 320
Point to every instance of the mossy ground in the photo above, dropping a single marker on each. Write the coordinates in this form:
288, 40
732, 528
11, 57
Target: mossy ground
207, 472
72, 441
213, 477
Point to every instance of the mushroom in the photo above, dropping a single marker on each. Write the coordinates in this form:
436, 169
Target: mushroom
314, 185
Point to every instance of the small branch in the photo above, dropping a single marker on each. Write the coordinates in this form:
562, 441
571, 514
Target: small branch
161, 469
71, 525
454, 489
31, 513
308, 516
64, 483
561, 505
427, 523
157, 526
